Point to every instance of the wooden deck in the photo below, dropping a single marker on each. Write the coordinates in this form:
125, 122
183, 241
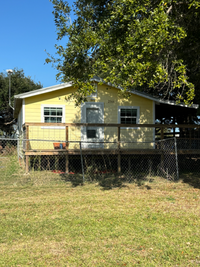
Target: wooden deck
186, 131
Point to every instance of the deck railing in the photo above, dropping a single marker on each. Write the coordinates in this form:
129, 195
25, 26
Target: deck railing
37, 143
115, 132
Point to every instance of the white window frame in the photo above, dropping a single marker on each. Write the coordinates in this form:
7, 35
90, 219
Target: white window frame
52, 106
129, 107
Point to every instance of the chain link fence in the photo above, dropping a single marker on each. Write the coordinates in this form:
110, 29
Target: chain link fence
168, 166
169, 158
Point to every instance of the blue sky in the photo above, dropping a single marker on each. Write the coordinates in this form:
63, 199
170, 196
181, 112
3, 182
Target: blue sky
27, 29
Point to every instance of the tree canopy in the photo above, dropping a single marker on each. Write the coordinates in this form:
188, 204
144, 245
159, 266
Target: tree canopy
148, 45
19, 84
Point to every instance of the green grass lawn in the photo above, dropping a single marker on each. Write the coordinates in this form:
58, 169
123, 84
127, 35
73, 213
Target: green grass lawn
47, 222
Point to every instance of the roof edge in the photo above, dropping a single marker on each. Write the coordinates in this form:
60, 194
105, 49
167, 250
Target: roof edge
99, 80
43, 90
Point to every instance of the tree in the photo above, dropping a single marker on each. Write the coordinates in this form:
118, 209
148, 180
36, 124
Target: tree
132, 44
19, 84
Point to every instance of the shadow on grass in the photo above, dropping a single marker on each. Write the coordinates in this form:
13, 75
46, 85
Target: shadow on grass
107, 181
76, 179
192, 179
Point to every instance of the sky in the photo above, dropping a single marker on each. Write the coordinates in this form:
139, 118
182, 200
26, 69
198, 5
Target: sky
27, 29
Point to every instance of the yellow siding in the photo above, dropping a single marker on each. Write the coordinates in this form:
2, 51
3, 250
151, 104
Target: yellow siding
111, 99
108, 95
33, 109
33, 105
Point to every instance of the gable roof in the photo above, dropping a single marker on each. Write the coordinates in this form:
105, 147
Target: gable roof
18, 98
43, 90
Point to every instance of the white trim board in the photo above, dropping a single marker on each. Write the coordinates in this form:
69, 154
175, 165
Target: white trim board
43, 90
23, 111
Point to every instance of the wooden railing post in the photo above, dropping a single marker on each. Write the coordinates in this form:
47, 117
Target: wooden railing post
162, 133
67, 148
119, 155
67, 136
27, 137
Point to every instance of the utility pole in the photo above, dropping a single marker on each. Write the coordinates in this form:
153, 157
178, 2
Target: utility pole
9, 75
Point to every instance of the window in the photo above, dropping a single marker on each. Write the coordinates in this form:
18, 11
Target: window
128, 115
53, 114
91, 133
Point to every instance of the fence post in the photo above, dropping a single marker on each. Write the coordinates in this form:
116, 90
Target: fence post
176, 154
119, 155
27, 164
56, 162
82, 162
18, 148
27, 148
67, 163
67, 147
162, 154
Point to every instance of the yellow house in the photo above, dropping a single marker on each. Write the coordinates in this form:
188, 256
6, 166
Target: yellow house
48, 111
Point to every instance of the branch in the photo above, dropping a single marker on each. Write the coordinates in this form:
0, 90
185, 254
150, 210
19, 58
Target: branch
10, 122
169, 9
